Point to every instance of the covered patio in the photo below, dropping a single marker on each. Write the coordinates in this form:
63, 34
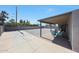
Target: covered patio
63, 21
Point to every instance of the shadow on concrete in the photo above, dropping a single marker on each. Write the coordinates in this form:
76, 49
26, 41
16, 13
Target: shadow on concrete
62, 42
46, 38
21, 33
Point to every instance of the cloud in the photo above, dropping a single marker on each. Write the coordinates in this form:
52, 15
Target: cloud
51, 9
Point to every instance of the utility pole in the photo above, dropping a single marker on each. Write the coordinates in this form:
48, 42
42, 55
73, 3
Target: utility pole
16, 15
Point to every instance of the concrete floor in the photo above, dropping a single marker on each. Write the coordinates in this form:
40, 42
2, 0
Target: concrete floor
25, 41
48, 35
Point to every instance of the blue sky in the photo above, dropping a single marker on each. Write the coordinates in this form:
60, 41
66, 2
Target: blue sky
36, 12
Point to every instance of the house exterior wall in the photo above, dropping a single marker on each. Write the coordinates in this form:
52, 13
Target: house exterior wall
74, 30
70, 30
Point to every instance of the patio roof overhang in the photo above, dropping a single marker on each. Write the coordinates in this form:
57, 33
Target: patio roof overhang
59, 19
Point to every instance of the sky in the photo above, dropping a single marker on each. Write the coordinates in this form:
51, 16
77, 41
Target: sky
36, 12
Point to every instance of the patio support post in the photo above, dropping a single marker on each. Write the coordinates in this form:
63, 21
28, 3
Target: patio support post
50, 26
40, 29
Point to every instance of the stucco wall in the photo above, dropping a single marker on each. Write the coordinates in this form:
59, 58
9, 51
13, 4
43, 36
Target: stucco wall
70, 29
75, 30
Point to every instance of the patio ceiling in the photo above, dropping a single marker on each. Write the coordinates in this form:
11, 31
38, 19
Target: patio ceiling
59, 19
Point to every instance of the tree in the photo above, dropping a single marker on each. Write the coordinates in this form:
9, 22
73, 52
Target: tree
3, 16
28, 23
21, 21
12, 21
24, 21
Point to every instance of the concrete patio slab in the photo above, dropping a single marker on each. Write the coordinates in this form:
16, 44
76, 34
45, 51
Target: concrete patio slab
24, 42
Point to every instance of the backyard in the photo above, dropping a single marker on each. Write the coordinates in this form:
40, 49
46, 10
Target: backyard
29, 41
34, 29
